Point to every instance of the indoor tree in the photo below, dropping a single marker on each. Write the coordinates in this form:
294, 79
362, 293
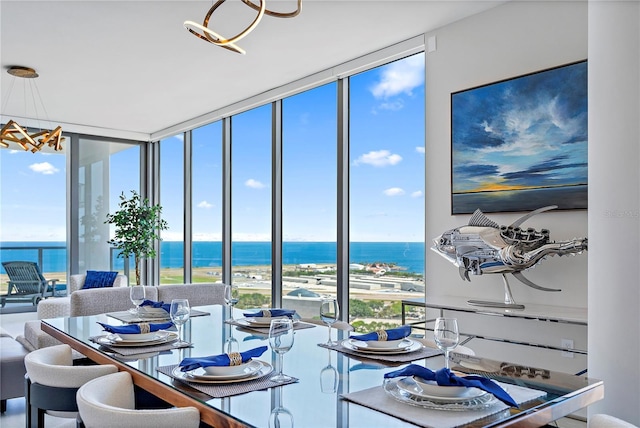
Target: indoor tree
138, 225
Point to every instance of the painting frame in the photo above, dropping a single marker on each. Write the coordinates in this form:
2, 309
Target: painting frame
520, 143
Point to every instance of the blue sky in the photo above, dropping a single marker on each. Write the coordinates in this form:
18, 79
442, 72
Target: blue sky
524, 133
386, 158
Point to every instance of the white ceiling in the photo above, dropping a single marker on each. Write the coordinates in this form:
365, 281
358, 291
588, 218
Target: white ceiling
131, 68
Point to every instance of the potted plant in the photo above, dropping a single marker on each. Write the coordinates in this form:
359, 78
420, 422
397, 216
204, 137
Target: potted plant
137, 228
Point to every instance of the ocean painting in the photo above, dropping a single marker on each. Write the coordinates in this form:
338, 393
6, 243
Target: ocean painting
521, 144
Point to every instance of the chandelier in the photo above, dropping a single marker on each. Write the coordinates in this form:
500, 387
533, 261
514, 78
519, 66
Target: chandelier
203, 32
12, 132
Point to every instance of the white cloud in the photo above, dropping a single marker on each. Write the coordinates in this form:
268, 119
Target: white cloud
205, 204
379, 158
179, 136
254, 184
43, 168
416, 194
393, 191
400, 77
420, 149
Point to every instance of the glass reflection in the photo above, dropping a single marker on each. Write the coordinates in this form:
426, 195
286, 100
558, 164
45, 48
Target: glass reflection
280, 416
329, 377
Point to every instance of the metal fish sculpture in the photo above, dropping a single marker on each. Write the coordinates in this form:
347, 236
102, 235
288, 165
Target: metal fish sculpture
484, 247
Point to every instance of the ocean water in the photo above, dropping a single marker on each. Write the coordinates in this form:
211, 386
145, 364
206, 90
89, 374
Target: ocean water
407, 255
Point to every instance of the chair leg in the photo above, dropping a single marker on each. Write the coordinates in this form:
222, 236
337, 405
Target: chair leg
3, 406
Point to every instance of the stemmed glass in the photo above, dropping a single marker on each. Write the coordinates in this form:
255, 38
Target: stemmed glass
231, 296
329, 312
136, 294
446, 335
280, 417
281, 340
329, 378
179, 313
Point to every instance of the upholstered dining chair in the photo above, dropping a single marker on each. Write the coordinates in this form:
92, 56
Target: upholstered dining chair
339, 325
52, 382
601, 420
109, 402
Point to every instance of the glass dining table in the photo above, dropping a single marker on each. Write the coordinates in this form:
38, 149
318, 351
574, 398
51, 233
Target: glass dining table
331, 388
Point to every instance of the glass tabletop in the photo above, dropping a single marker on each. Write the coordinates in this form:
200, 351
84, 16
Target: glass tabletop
315, 400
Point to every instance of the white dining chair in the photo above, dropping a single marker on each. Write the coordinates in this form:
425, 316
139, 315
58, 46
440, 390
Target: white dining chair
52, 382
601, 420
109, 402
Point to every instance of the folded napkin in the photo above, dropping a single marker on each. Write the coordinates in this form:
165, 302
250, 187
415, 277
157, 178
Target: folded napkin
161, 304
391, 334
189, 364
444, 377
136, 328
271, 313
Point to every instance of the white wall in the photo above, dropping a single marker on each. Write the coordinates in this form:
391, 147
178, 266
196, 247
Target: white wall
510, 40
614, 205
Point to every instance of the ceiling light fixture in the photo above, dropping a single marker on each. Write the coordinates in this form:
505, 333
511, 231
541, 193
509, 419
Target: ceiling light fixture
203, 32
12, 132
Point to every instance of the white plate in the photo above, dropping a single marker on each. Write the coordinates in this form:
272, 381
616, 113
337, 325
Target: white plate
360, 346
384, 344
392, 387
138, 337
431, 387
363, 345
263, 321
264, 370
440, 393
161, 314
114, 340
247, 369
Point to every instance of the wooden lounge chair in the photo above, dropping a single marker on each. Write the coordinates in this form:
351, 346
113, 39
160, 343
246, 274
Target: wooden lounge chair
26, 283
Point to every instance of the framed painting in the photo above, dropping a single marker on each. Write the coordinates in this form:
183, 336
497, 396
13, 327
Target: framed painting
521, 144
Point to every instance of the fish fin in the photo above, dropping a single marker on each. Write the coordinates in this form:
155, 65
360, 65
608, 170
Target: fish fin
479, 219
520, 277
526, 217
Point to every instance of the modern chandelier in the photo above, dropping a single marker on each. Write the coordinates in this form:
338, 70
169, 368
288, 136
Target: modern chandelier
203, 32
12, 132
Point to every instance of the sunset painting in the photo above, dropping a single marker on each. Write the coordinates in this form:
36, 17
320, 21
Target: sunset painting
521, 144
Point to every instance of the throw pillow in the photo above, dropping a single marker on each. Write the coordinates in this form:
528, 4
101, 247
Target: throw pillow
99, 279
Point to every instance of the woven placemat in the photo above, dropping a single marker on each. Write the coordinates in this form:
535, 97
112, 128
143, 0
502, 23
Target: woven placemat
227, 389
418, 354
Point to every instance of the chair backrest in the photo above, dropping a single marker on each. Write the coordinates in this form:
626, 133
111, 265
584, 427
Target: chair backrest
109, 401
338, 325
25, 276
53, 366
601, 420
76, 282
94, 301
197, 294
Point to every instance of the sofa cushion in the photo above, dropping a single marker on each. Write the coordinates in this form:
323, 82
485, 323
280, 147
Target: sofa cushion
99, 279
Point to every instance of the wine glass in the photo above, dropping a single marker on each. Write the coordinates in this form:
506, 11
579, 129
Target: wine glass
446, 335
280, 417
231, 296
137, 295
329, 312
179, 313
281, 340
329, 378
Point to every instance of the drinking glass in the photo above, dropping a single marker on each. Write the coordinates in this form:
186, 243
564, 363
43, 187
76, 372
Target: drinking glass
329, 378
179, 313
446, 335
280, 418
329, 312
281, 340
231, 296
136, 294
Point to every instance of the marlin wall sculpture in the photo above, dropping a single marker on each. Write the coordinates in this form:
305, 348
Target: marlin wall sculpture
484, 247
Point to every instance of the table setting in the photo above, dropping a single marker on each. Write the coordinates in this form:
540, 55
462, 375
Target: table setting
259, 321
234, 373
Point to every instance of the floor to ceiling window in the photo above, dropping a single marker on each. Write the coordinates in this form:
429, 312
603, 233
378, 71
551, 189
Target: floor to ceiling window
251, 205
172, 202
106, 170
33, 210
206, 219
386, 224
309, 198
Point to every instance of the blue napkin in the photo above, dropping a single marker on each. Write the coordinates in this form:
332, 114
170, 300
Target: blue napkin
392, 334
161, 304
134, 328
444, 377
189, 364
274, 313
